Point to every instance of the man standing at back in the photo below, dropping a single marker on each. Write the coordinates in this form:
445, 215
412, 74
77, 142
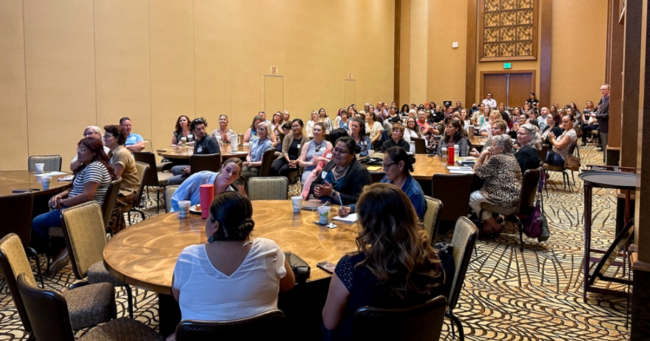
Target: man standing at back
489, 101
134, 142
602, 114
204, 144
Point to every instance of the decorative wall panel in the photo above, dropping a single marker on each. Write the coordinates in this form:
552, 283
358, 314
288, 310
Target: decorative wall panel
507, 30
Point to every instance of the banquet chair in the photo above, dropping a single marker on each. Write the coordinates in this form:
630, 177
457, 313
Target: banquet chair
421, 322
267, 160
52, 162
155, 179
160, 167
453, 190
205, 162
268, 188
142, 168
561, 169
89, 305
47, 311
16, 212
432, 217
85, 238
266, 325
526, 204
464, 239
169, 191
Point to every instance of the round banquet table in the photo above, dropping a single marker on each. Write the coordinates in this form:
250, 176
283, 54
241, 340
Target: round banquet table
144, 254
175, 153
25, 180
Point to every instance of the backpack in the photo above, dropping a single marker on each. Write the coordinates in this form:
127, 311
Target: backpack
446, 256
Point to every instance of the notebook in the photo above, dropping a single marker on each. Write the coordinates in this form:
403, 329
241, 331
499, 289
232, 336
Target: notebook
349, 219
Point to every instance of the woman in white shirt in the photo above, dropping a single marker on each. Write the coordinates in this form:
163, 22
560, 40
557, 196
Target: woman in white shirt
233, 276
310, 124
412, 130
373, 127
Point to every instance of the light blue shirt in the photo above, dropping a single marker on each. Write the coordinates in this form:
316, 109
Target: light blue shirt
189, 189
542, 123
258, 148
133, 139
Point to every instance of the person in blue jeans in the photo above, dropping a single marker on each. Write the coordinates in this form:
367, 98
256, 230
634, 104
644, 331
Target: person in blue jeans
91, 182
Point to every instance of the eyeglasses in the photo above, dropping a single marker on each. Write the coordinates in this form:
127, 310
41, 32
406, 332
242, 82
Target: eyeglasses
81, 150
89, 134
388, 166
339, 151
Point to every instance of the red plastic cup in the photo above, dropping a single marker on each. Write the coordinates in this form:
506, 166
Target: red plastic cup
207, 195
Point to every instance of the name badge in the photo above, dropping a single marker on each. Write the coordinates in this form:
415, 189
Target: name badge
199, 150
323, 174
298, 146
328, 156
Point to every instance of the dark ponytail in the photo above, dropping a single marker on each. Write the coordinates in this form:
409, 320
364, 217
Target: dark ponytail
233, 211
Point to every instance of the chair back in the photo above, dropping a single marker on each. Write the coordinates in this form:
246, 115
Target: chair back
205, 162
52, 162
432, 217
528, 191
16, 212
281, 138
453, 190
267, 160
142, 168
148, 146
14, 262
268, 188
151, 178
109, 201
269, 324
85, 236
47, 310
169, 191
420, 145
542, 152
421, 322
464, 239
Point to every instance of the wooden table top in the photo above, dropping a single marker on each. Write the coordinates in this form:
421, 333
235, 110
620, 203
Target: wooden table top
23, 180
144, 255
186, 153
478, 141
424, 168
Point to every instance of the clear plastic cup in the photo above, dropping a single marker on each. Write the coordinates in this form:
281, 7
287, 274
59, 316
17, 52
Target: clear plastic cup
324, 214
184, 208
39, 168
297, 203
46, 180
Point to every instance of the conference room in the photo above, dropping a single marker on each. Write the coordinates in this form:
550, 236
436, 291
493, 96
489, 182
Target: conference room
336, 170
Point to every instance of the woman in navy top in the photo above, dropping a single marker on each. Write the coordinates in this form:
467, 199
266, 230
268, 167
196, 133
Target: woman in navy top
394, 266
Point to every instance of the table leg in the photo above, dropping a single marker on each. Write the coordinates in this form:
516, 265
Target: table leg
169, 314
585, 260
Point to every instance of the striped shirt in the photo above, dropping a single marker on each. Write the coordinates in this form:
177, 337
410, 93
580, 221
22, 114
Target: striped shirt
94, 172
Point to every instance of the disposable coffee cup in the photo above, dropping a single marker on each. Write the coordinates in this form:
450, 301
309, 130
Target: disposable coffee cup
183, 141
297, 203
39, 168
324, 214
370, 152
184, 208
46, 182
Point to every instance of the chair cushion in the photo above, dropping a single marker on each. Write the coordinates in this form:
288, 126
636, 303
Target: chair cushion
499, 209
123, 329
90, 305
163, 177
55, 232
97, 273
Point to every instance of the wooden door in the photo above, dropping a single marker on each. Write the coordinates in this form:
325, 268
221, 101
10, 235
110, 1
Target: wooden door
521, 85
497, 85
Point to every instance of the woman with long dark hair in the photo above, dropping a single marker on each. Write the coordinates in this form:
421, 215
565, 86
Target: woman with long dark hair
394, 266
181, 130
91, 180
454, 136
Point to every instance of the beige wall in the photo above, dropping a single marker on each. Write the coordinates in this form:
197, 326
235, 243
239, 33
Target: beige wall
75, 63
578, 51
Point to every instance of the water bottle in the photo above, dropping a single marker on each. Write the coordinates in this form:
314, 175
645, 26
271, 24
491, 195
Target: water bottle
482, 120
456, 151
412, 149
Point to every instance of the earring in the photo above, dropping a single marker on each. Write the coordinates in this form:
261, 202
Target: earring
211, 239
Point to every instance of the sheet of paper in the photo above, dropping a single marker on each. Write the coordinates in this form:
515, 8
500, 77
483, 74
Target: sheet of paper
374, 168
50, 174
350, 218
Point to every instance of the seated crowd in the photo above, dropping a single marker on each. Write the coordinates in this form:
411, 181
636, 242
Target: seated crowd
394, 264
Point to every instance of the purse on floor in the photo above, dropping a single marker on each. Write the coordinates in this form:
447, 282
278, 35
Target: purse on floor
300, 268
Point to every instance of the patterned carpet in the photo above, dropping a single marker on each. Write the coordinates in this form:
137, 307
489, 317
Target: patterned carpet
508, 295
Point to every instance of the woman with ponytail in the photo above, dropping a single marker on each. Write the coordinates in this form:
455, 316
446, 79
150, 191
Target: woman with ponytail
233, 276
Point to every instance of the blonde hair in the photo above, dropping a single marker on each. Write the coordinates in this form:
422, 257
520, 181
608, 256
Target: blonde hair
267, 126
495, 114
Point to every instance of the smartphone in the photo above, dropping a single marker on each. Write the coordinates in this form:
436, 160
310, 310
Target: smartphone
327, 266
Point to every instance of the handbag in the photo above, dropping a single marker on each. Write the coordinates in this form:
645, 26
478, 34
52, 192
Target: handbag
535, 224
446, 255
572, 162
300, 268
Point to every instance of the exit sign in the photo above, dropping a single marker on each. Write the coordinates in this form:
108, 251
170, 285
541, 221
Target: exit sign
507, 65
